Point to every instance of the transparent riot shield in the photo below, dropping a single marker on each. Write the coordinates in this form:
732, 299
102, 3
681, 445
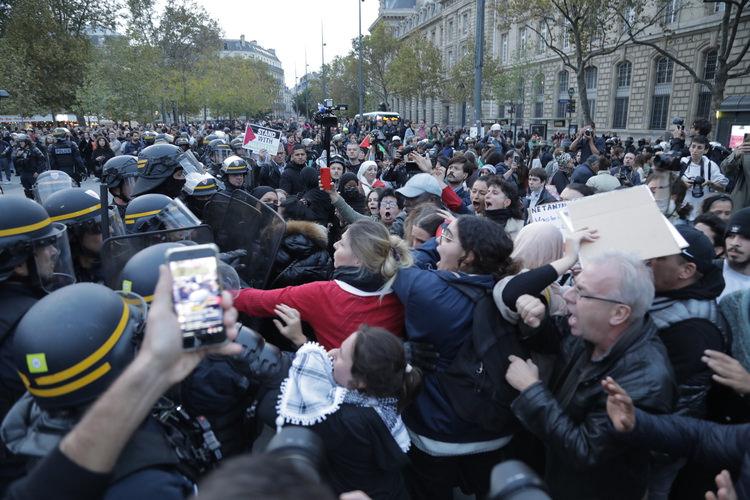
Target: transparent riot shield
242, 222
49, 182
117, 250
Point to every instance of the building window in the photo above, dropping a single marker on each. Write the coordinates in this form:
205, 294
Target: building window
562, 83
624, 72
465, 23
592, 108
709, 66
450, 30
590, 74
671, 11
662, 91
522, 35
620, 118
540, 45
704, 96
504, 48
718, 7
566, 38
450, 59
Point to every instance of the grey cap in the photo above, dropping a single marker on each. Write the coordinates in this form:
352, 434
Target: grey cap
420, 184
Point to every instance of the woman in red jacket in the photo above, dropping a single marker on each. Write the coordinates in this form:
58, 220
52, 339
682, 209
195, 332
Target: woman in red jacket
366, 261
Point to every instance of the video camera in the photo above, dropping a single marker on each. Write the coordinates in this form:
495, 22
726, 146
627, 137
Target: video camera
514, 480
325, 116
680, 122
668, 161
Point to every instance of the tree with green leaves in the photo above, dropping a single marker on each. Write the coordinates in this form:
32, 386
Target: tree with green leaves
342, 82
45, 45
732, 59
378, 50
416, 71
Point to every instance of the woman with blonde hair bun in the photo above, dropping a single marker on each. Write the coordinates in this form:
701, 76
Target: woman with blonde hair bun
366, 262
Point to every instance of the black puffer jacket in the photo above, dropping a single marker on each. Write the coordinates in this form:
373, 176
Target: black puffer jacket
303, 256
584, 458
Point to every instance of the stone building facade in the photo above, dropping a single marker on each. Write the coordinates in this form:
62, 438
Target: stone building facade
633, 91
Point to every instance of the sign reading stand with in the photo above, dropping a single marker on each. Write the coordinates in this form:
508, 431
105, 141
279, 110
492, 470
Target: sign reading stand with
257, 138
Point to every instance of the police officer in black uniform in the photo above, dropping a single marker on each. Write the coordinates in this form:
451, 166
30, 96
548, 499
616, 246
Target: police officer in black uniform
119, 175
68, 349
29, 162
235, 172
64, 155
31, 247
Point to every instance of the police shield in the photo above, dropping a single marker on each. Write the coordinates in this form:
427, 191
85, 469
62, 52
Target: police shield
242, 222
118, 250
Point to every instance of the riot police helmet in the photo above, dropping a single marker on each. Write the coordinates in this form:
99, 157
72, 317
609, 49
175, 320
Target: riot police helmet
23, 138
234, 165
61, 133
81, 211
149, 137
121, 172
72, 344
49, 182
219, 151
159, 162
156, 212
29, 237
141, 272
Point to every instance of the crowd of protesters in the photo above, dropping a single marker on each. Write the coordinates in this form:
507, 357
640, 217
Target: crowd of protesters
461, 332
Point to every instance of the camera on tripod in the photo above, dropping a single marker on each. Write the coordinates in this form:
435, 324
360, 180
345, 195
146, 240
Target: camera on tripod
325, 116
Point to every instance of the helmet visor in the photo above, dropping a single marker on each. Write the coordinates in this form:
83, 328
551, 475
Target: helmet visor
52, 182
190, 163
220, 154
176, 215
52, 260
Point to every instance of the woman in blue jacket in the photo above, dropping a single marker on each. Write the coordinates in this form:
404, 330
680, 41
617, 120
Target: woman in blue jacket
449, 451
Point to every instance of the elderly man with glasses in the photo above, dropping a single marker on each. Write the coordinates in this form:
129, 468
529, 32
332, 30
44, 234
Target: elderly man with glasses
606, 333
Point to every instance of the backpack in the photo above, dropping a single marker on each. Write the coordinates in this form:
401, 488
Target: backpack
475, 382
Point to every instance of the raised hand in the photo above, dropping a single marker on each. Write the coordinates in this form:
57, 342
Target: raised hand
620, 407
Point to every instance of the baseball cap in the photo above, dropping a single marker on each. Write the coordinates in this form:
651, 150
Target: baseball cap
739, 223
420, 184
699, 251
495, 126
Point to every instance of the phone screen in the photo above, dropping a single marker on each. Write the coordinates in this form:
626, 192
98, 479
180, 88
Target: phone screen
197, 300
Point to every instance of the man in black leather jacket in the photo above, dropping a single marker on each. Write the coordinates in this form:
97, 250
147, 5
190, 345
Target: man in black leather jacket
606, 334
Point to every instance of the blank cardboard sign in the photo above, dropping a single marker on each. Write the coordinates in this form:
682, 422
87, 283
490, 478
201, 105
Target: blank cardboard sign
628, 220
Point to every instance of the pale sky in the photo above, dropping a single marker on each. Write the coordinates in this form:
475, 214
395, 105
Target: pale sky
293, 26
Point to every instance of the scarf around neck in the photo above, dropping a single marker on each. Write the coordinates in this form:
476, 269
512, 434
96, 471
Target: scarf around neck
309, 394
359, 277
500, 216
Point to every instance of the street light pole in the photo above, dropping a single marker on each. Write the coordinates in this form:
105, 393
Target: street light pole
571, 93
322, 62
359, 69
478, 57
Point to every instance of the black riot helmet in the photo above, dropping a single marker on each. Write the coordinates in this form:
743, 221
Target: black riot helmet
121, 172
183, 143
141, 272
159, 163
80, 210
156, 212
71, 345
28, 236
218, 151
198, 189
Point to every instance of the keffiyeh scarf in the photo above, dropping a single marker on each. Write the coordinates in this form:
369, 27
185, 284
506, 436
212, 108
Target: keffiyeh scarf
309, 394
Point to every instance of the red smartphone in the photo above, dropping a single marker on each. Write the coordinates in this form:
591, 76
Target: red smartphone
325, 179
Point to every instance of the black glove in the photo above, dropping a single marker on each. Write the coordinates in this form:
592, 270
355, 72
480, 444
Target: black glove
421, 355
233, 258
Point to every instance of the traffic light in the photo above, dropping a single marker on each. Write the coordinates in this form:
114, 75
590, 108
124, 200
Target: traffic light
572, 106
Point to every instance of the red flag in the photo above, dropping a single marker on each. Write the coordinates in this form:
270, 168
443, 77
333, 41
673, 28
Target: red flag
365, 142
249, 136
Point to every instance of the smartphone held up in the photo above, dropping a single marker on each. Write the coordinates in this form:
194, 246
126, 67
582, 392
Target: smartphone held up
196, 294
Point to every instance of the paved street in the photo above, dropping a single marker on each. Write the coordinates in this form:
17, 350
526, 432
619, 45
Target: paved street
15, 188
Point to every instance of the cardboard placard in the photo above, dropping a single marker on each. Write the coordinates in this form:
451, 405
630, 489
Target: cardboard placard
257, 138
627, 220
549, 212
